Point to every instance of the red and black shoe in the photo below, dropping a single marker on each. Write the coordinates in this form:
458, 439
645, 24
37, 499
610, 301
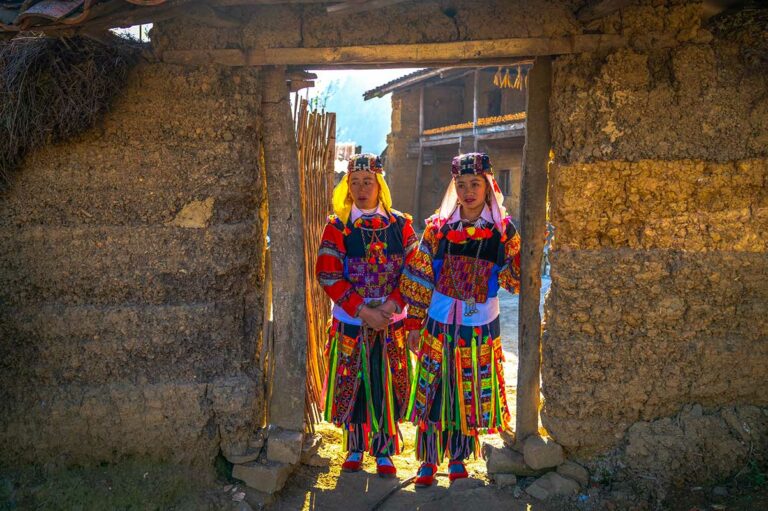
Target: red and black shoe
385, 468
457, 470
425, 477
353, 463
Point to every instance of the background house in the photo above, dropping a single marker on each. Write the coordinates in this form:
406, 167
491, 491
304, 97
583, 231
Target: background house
439, 113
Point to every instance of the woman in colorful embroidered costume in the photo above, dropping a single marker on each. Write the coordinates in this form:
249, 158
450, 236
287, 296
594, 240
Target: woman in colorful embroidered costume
362, 254
469, 250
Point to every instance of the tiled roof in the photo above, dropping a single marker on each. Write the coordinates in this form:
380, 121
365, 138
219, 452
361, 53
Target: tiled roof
392, 84
18, 15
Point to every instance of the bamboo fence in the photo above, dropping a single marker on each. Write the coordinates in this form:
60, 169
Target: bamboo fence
316, 143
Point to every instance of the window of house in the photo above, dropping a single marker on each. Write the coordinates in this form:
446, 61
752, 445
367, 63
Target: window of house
505, 181
494, 103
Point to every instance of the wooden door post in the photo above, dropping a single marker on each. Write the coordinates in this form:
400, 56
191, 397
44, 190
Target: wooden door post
286, 232
533, 199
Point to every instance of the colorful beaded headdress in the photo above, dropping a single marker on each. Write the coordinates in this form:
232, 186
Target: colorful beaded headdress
471, 163
478, 164
365, 161
342, 201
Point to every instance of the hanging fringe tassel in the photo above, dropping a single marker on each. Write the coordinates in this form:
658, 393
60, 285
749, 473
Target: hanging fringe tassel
329, 389
476, 412
371, 420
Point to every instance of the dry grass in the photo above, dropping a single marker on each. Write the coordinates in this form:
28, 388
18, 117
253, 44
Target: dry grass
54, 88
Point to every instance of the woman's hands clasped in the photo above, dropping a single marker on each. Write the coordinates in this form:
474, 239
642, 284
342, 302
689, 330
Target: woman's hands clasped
379, 317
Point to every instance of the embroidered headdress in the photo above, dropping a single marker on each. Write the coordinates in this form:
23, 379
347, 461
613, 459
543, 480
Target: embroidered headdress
365, 161
478, 164
471, 163
342, 201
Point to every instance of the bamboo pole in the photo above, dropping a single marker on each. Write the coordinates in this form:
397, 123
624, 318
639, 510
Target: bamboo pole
315, 139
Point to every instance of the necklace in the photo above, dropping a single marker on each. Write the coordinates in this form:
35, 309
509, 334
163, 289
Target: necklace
375, 244
470, 301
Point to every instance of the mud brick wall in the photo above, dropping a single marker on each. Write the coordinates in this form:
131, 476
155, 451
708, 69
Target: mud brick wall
660, 262
414, 21
401, 169
131, 276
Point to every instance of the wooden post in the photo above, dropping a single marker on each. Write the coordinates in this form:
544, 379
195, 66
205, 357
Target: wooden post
533, 199
420, 165
287, 246
475, 80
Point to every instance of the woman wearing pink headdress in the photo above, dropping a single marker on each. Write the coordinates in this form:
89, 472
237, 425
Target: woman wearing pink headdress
469, 249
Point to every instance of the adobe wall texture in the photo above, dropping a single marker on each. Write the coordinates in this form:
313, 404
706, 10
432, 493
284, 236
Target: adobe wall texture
414, 21
131, 277
400, 168
660, 266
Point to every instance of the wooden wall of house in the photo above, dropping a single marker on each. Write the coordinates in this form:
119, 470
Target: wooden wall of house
131, 279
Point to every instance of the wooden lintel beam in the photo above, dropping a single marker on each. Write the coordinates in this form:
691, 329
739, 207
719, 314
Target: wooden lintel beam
297, 85
599, 9
349, 7
400, 54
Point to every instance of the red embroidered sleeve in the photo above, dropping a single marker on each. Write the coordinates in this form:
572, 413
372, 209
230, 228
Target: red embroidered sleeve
418, 279
329, 269
509, 276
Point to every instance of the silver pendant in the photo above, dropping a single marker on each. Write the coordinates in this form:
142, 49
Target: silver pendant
471, 307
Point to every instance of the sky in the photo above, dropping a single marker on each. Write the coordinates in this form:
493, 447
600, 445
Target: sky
366, 123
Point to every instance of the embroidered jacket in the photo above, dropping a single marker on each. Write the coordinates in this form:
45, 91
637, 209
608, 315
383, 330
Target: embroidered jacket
445, 267
350, 272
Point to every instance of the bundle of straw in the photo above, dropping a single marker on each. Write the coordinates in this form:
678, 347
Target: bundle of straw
54, 88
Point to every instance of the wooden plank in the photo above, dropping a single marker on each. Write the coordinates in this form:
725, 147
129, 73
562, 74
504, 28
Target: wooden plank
400, 54
533, 202
600, 8
297, 85
426, 63
286, 233
475, 84
360, 6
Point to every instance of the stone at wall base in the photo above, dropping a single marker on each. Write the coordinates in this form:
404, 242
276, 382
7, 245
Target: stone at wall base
284, 446
246, 457
574, 471
551, 485
268, 478
505, 480
310, 448
508, 437
540, 452
506, 461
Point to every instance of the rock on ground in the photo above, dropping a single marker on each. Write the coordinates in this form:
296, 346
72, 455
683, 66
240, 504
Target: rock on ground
551, 485
542, 452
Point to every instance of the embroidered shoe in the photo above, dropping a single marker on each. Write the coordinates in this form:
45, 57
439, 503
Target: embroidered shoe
457, 470
385, 467
426, 475
353, 463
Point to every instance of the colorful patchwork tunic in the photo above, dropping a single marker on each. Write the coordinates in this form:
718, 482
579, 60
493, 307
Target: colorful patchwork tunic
451, 287
367, 386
